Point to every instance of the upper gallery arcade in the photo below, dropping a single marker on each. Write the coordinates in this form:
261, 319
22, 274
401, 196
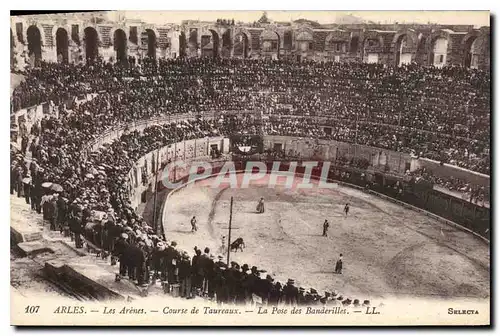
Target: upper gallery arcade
82, 38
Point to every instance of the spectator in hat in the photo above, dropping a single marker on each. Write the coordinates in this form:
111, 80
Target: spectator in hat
185, 273
54, 211
157, 260
76, 227
264, 288
197, 270
172, 257
118, 252
275, 295
290, 293
27, 186
62, 213
301, 298
220, 281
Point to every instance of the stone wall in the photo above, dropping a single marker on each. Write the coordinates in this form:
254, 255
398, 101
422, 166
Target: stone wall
168, 38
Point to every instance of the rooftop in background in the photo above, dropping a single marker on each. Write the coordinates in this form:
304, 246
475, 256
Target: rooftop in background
323, 18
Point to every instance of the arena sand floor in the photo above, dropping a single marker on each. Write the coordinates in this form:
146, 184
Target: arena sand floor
389, 251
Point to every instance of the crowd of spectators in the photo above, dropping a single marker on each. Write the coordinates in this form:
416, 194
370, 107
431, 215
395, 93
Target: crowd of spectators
438, 113
415, 109
472, 193
92, 201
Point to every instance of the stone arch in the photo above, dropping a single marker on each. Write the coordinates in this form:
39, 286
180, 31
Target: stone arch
420, 43
192, 41
62, 45
472, 48
152, 28
120, 45
438, 45
226, 43
63, 26
115, 29
100, 39
372, 46
338, 41
304, 40
404, 45
35, 42
288, 39
182, 44
91, 41
31, 23
210, 44
270, 41
241, 45
149, 38
245, 32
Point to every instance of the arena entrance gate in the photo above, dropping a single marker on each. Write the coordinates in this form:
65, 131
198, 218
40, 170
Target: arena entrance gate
62, 45
34, 44
90, 40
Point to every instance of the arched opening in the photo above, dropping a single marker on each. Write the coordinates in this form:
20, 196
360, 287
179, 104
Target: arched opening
182, 45
34, 44
210, 45
90, 39
62, 45
193, 42
371, 47
403, 56
120, 45
336, 46
353, 48
472, 52
12, 46
148, 38
287, 40
270, 43
227, 44
240, 45
304, 42
439, 51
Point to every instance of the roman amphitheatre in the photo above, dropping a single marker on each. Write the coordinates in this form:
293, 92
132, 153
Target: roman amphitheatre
100, 107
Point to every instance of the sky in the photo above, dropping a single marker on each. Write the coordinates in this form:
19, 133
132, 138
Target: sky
476, 18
